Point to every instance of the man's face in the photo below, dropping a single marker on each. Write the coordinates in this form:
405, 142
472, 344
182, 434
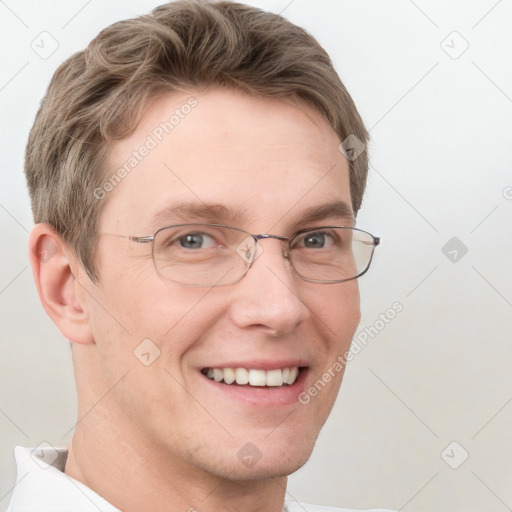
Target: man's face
268, 163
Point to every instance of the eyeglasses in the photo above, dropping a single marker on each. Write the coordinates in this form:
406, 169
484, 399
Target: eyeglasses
215, 254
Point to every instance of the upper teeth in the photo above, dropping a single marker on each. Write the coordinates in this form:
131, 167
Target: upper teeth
254, 377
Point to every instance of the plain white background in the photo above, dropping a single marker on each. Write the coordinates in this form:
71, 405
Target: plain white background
433, 82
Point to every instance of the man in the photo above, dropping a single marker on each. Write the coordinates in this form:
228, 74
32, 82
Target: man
194, 177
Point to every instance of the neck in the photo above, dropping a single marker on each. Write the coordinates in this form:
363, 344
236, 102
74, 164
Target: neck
123, 467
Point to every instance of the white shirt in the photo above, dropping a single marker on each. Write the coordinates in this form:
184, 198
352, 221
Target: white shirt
42, 486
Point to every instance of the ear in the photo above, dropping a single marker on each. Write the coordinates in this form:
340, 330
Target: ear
54, 267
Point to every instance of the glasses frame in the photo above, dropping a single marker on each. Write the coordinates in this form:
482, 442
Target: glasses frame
256, 237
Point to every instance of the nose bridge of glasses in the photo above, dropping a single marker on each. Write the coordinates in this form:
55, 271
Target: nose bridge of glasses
266, 236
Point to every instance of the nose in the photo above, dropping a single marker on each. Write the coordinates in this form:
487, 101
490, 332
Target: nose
268, 296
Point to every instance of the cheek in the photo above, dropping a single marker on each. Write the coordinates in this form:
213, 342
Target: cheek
350, 307
174, 319
337, 308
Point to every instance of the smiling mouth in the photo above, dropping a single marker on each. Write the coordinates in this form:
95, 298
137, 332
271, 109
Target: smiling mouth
253, 377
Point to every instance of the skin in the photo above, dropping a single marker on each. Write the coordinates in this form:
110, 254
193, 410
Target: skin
161, 437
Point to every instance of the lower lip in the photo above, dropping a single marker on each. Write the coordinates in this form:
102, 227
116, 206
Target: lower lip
262, 396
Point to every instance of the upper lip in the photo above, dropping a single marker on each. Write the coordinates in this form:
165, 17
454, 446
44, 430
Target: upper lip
260, 364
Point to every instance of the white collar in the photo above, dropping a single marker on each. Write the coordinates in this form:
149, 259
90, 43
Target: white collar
42, 485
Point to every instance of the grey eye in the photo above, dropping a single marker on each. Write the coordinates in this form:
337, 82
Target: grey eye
314, 240
196, 241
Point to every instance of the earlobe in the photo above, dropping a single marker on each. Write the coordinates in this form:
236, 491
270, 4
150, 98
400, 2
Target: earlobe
54, 269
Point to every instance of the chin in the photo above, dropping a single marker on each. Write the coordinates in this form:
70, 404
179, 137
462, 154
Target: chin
269, 458
273, 469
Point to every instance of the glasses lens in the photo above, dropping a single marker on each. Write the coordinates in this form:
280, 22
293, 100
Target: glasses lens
331, 254
201, 254
213, 255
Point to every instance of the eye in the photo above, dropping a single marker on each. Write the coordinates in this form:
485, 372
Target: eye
316, 240
196, 241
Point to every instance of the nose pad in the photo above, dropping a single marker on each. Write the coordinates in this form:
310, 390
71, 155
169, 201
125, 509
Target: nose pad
249, 249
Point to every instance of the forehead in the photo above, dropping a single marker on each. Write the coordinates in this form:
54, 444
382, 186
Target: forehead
268, 159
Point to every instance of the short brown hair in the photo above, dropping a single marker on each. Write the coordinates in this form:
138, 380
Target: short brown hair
99, 94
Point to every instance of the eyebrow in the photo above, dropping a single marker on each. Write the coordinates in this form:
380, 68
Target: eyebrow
334, 209
222, 214
209, 213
